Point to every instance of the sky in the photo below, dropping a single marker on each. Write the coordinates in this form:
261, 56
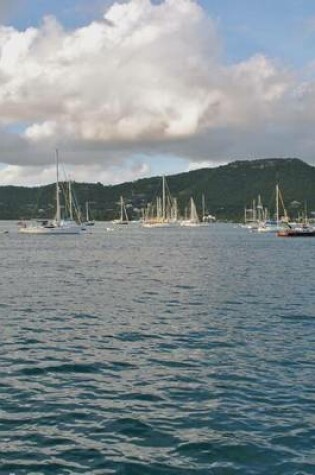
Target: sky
128, 89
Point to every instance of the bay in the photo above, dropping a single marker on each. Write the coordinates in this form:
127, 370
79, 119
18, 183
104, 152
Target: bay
157, 351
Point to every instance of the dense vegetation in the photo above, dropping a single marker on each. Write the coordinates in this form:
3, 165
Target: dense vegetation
227, 189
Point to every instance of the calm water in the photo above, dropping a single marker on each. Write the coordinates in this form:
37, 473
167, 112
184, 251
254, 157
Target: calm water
166, 351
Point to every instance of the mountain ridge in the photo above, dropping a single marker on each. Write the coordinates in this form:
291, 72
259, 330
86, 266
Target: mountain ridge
227, 189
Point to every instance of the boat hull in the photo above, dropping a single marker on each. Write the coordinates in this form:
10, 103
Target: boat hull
57, 231
295, 233
190, 224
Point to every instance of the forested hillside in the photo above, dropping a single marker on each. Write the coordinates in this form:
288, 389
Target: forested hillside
227, 189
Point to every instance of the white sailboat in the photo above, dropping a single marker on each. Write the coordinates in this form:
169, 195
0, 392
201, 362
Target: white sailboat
194, 218
206, 216
56, 226
164, 213
88, 221
280, 223
123, 219
255, 216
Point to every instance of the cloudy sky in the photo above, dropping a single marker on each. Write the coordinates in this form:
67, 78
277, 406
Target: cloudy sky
126, 89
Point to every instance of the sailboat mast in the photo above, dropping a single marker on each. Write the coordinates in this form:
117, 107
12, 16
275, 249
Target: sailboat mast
58, 216
163, 199
305, 217
125, 213
277, 203
158, 207
121, 209
259, 209
203, 205
254, 211
175, 211
70, 202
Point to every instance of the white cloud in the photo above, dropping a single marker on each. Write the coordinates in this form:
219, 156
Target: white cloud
144, 79
204, 164
34, 175
138, 75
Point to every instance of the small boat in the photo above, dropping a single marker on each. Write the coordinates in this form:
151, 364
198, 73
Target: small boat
52, 227
279, 224
254, 217
88, 221
194, 218
207, 218
303, 231
272, 226
123, 219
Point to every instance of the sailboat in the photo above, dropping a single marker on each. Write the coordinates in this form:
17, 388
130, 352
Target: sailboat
88, 221
194, 218
56, 226
123, 219
301, 229
255, 216
273, 226
164, 213
206, 216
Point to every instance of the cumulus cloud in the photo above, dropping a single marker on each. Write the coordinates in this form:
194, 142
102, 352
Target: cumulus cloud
146, 78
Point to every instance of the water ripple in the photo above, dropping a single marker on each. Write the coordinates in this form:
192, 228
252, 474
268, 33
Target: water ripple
135, 352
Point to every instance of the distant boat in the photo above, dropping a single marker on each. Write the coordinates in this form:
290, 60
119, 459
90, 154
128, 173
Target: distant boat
193, 219
88, 221
206, 216
273, 226
56, 226
123, 219
301, 231
164, 212
255, 216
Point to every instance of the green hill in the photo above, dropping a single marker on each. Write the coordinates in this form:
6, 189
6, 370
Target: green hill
227, 189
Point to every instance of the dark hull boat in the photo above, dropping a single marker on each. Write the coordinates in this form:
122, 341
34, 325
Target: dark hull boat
297, 232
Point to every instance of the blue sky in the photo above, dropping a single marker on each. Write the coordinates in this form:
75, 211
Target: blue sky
259, 100
277, 28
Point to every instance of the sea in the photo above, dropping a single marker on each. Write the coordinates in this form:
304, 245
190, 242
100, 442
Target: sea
167, 351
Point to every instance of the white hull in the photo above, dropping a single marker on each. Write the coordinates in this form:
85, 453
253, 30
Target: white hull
270, 229
52, 231
250, 226
157, 225
190, 224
